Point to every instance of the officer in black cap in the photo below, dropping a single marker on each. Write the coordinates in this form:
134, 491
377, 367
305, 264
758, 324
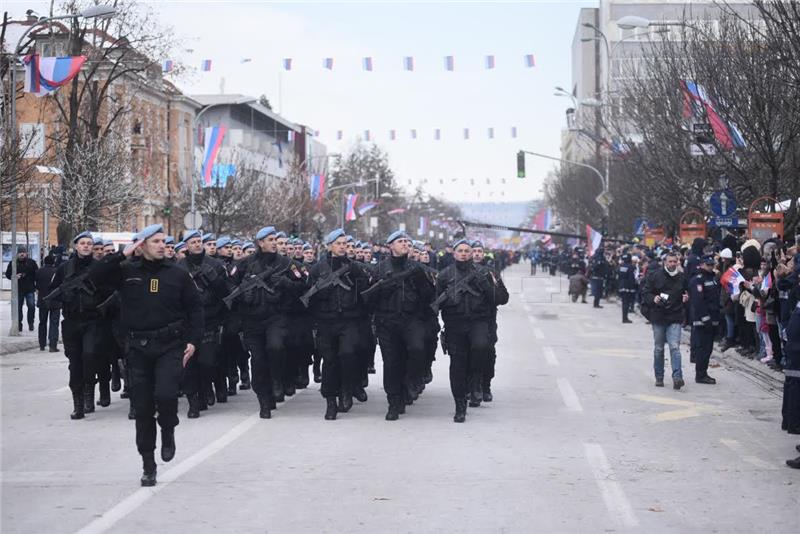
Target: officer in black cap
627, 285
204, 379
704, 311
467, 293
399, 296
163, 319
479, 257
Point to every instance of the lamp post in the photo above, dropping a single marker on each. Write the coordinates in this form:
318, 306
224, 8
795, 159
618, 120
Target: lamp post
91, 12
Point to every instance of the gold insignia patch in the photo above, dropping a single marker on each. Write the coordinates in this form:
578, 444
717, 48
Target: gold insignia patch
154, 285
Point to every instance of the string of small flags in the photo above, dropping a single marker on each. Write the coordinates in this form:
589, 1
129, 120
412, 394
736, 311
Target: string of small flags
413, 134
368, 63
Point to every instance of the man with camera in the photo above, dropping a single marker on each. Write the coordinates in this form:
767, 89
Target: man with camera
664, 294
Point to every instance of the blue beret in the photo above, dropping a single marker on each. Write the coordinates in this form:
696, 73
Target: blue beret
307, 246
266, 231
81, 236
223, 241
397, 234
179, 245
107, 242
351, 239
248, 244
97, 241
150, 231
333, 236
280, 235
477, 244
170, 240
209, 237
462, 242
191, 234
236, 242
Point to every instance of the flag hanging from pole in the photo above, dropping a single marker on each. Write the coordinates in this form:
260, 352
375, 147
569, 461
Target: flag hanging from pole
350, 208
287, 63
213, 144
205, 65
317, 189
367, 62
489, 62
513, 132
392, 135
413, 134
408, 63
366, 206
697, 101
44, 75
327, 63
449, 63
437, 134
530, 61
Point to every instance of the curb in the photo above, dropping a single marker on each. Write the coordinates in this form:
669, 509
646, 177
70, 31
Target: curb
14, 347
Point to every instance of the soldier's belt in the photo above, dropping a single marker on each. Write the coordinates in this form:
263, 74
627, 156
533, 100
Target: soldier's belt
170, 330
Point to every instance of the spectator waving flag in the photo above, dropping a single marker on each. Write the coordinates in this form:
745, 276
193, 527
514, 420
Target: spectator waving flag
44, 75
731, 280
350, 209
213, 144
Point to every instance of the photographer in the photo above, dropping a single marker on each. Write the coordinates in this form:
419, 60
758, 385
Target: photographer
665, 293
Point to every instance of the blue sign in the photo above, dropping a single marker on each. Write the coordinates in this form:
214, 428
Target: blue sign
724, 222
640, 226
723, 203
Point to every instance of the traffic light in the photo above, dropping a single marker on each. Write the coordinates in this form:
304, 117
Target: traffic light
520, 164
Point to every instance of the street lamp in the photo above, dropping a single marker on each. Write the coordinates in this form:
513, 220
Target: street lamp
89, 13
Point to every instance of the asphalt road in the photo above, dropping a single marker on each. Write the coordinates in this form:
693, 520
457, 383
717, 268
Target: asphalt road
578, 439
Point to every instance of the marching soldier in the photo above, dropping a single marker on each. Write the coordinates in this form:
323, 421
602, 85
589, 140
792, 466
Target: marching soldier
399, 296
335, 303
163, 320
266, 280
466, 294
169, 251
248, 248
204, 378
488, 374
210, 244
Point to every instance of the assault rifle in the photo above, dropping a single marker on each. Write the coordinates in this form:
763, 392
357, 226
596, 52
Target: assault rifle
460, 287
389, 279
73, 285
255, 281
333, 279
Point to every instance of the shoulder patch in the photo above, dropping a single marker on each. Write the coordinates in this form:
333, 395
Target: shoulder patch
700, 288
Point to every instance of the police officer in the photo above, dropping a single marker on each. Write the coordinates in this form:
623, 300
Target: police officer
248, 248
704, 310
204, 377
269, 279
467, 293
163, 319
180, 250
627, 285
335, 302
399, 296
169, 251
598, 269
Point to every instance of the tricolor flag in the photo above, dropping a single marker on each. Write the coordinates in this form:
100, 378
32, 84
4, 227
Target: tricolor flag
437, 134
287, 63
318, 189
731, 280
593, 239
491, 133
530, 61
392, 135
205, 65
408, 63
339, 135
44, 75
697, 103
367, 63
466, 133
365, 207
422, 231
413, 134
543, 219
213, 143
767, 283
366, 135
449, 63
396, 211
513, 132
350, 208
490, 62
167, 66
327, 63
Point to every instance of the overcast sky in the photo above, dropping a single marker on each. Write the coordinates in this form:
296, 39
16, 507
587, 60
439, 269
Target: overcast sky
351, 100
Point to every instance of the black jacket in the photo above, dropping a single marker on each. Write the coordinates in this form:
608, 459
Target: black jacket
288, 284
211, 279
80, 303
44, 281
465, 305
407, 296
336, 302
658, 283
27, 268
704, 302
154, 295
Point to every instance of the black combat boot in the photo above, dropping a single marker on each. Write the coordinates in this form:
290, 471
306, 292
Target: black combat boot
77, 406
345, 401
330, 412
264, 408
232, 390
116, 380
487, 390
148, 469
88, 398
289, 389
302, 378
131, 411
393, 414
360, 394
461, 411
211, 399
167, 444
194, 406
794, 464
222, 392
105, 394
277, 392
245, 384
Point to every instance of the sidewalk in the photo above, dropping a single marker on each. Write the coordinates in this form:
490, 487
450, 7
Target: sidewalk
26, 341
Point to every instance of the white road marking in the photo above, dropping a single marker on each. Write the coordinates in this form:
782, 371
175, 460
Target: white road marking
139, 497
735, 446
569, 396
613, 495
550, 356
537, 332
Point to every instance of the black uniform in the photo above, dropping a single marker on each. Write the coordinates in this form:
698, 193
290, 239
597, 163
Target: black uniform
704, 307
207, 367
265, 322
49, 314
300, 343
338, 313
599, 269
488, 373
399, 304
627, 286
161, 312
472, 296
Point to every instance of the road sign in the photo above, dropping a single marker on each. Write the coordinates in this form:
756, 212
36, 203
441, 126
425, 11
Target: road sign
723, 203
604, 199
193, 220
724, 222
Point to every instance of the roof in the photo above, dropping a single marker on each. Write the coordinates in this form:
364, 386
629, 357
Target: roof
244, 100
